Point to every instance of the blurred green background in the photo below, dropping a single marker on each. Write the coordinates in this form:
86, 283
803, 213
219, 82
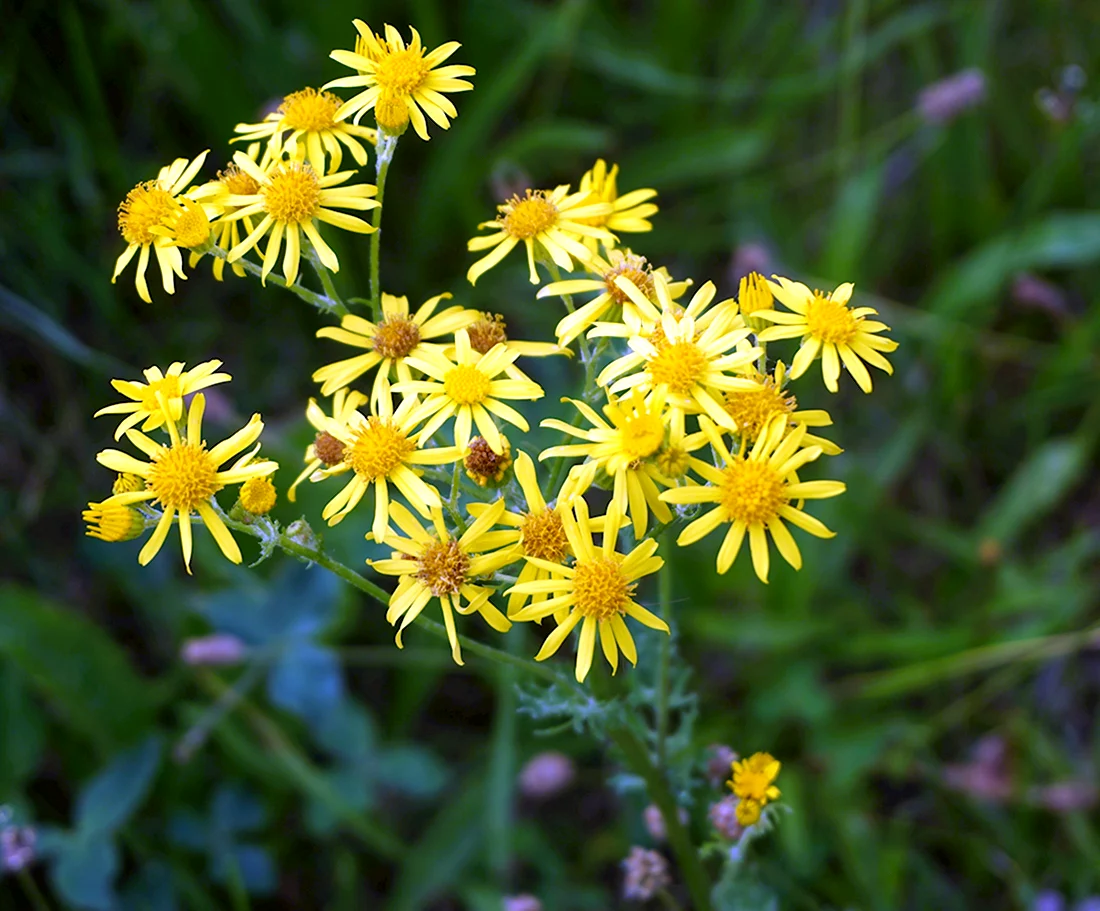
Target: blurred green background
929, 679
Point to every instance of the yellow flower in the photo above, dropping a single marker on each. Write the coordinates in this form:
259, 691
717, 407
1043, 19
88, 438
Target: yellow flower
753, 409
309, 117
482, 465
189, 225
550, 218
389, 342
629, 212
291, 198
469, 388
149, 205
830, 328
113, 522
753, 782
127, 483
161, 396
400, 74
326, 450
687, 356
439, 566
622, 263
381, 449
598, 589
754, 295
184, 476
625, 446
489, 329
539, 532
258, 496
753, 493
227, 231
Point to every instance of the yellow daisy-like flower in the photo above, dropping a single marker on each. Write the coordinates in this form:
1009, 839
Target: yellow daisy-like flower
754, 493
189, 226
753, 409
598, 589
830, 328
490, 329
381, 449
390, 342
226, 230
149, 205
753, 782
113, 522
611, 300
326, 451
258, 496
291, 197
539, 532
305, 127
400, 75
161, 396
754, 295
483, 466
439, 566
553, 219
629, 212
688, 357
623, 446
469, 388
183, 477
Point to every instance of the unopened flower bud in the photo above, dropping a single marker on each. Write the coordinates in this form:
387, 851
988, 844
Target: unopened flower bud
128, 483
391, 114
300, 532
655, 821
113, 522
216, 649
522, 903
546, 774
645, 873
258, 495
723, 816
483, 466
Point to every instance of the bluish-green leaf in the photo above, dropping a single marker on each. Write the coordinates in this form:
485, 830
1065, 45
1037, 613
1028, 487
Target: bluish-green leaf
116, 792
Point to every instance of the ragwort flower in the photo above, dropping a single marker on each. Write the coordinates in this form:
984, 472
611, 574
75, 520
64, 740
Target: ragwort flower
305, 127
439, 566
291, 197
469, 388
390, 342
753, 493
830, 328
597, 589
753, 782
553, 219
753, 409
182, 478
397, 76
149, 205
629, 212
161, 397
326, 450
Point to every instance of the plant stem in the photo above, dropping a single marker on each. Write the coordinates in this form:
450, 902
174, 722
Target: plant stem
664, 598
30, 888
320, 301
383, 155
638, 761
323, 273
502, 771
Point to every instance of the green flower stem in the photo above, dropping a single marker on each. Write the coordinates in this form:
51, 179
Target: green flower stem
383, 155
326, 280
365, 585
664, 598
691, 868
320, 301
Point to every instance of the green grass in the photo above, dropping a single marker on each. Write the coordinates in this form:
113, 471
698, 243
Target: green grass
952, 605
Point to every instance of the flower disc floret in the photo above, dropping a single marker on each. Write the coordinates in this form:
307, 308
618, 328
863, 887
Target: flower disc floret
378, 448
402, 72
830, 320
443, 568
637, 270
530, 215
752, 492
488, 331
642, 435
145, 206
542, 535
293, 193
328, 449
601, 589
258, 496
752, 410
183, 476
191, 228
237, 182
310, 110
678, 365
466, 385
395, 337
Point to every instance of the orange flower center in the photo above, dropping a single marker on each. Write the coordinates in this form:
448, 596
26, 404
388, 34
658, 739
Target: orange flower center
238, 182
396, 337
487, 332
600, 588
637, 270
443, 567
752, 410
293, 194
543, 536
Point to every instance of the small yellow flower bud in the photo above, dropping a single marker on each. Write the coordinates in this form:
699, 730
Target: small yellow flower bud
113, 522
391, 114
258, 496
754, 294
127, 483
483, 466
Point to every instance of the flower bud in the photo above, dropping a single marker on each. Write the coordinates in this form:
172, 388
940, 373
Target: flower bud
215, 650
545, 775
645, 873
113, 522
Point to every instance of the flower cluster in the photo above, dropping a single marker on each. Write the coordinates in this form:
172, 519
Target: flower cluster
685, 416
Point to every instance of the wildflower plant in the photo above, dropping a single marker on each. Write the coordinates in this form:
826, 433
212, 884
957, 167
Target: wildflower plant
685, 414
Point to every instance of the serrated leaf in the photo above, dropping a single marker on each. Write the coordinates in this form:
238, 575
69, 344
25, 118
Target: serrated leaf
116, 792
84, 675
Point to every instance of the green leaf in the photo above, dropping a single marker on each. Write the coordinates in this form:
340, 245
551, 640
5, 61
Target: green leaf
711, 155
22, 730
116, 792
1036, 487
84, 675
